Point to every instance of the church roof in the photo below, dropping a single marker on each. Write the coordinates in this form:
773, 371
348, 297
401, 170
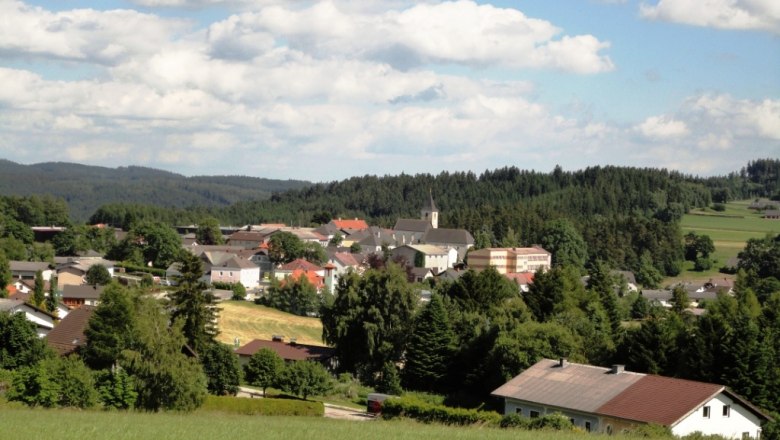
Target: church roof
431, 204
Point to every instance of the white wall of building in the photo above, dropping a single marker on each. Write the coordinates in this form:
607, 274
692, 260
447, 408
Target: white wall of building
738, 421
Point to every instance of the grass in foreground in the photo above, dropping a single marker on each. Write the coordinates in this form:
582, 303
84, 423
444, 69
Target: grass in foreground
247, 321
24, 424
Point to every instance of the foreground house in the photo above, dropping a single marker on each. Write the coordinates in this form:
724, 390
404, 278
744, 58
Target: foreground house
610, 400
77, 296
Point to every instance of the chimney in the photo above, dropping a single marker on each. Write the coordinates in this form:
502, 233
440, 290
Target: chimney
563, 363
618, 368
277, 338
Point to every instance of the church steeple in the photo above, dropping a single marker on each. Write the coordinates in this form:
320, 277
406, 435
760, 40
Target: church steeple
430, 212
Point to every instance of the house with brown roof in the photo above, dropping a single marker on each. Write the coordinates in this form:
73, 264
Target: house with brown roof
288, 351
68, 335
610, 400
81, 295
26, 270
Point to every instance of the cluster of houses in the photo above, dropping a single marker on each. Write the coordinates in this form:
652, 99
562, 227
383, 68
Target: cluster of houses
597, 399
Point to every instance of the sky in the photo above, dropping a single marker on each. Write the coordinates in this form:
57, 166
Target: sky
325, 90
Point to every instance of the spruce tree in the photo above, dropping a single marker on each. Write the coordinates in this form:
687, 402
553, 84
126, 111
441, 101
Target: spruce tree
110, 329
5, 275
430, 348
193, 305
51, 299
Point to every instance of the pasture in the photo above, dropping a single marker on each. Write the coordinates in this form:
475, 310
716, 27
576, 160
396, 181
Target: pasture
729, 230
247, 321
40, 424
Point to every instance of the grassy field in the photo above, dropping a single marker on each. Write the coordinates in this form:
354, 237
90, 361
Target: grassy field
729, 230
247, 321
24, 424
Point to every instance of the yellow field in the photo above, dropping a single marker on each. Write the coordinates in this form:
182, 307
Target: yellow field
247, 321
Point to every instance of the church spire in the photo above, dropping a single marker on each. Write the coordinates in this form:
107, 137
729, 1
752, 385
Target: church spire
430, 212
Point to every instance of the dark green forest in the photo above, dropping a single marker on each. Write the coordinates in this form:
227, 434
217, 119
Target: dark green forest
86, 188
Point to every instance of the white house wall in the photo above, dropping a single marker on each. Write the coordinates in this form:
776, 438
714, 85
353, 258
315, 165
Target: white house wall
739, 421
524, 409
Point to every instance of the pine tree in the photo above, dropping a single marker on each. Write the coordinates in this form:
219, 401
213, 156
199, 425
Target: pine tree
430, 348
192, 304
110, 329
51, 299
5, 275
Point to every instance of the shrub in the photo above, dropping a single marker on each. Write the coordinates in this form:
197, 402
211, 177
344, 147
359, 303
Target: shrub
702, 264
305, 378
557, 422
264, 407
720, 207
651, 430
116, 389
429, 413
514, 421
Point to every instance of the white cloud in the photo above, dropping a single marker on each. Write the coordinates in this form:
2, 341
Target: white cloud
103, 37
662, 127
762, 15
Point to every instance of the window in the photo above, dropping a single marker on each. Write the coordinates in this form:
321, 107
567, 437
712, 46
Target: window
573, 422
534, 414
609, 429
587, 426
706, 412
745, 436
726, 410
519, 411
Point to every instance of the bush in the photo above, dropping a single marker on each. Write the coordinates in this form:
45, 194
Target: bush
305, 378
514, 421
702, 264
719, 207
239, 292
651, 430
698, 435
429, 413
556, 422
264, 407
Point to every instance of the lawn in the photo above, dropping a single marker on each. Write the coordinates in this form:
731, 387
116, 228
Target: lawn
729, 230
24, 424
247, 321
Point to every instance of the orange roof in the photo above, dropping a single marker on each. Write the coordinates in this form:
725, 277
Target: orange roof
521, 278
356, 224
301, 264
313, 279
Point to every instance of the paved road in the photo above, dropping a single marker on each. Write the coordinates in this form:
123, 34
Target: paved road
331, 411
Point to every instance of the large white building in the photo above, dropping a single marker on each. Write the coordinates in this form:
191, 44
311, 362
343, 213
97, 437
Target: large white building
511, 260
610, 400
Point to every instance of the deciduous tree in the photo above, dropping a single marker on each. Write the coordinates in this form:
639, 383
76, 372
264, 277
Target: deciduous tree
264, 368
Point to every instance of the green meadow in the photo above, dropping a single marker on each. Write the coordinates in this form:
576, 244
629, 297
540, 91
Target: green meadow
39, 424
729, 230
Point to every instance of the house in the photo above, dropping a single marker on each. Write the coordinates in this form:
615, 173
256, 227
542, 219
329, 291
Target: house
373, 239
773, 214
288, 351
74, 271
460, 240
236, 270
522, 279
247, 239
299, 266
26, 270
68, 335
355, 224
343, 262
411, 231
609, 400
426, 256
511, 260
81, 295
43, 320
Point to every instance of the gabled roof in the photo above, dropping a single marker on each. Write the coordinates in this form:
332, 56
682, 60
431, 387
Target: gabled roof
658, 399
412, 225
84, 291
356, 224
576, 386
345, 259
521, 278
427, 249
28, 266
299, 264
315, 280
624, 395
287, 351
68, 335
11, 305
448, 236
247, 236
236, 263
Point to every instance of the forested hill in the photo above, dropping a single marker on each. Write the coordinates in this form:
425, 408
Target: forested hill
86, 188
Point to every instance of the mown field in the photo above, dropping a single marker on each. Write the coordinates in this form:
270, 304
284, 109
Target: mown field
38, 424
246, 321
729, 230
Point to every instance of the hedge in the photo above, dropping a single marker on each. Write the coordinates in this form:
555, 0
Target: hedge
417, 409
264, 407
556, 422
134, 268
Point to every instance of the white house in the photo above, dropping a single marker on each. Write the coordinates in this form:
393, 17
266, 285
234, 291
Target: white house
610, 400
43, 320
26, 270
236, 270
427, 256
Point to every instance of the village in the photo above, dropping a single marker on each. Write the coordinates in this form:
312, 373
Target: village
592, 398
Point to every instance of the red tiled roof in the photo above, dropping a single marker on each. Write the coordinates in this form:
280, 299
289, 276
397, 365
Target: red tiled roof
522, 278
346, 259
658, 399
287, 351
356, 224
314, 279
299, 264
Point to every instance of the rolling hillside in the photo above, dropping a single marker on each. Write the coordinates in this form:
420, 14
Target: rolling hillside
85, 188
